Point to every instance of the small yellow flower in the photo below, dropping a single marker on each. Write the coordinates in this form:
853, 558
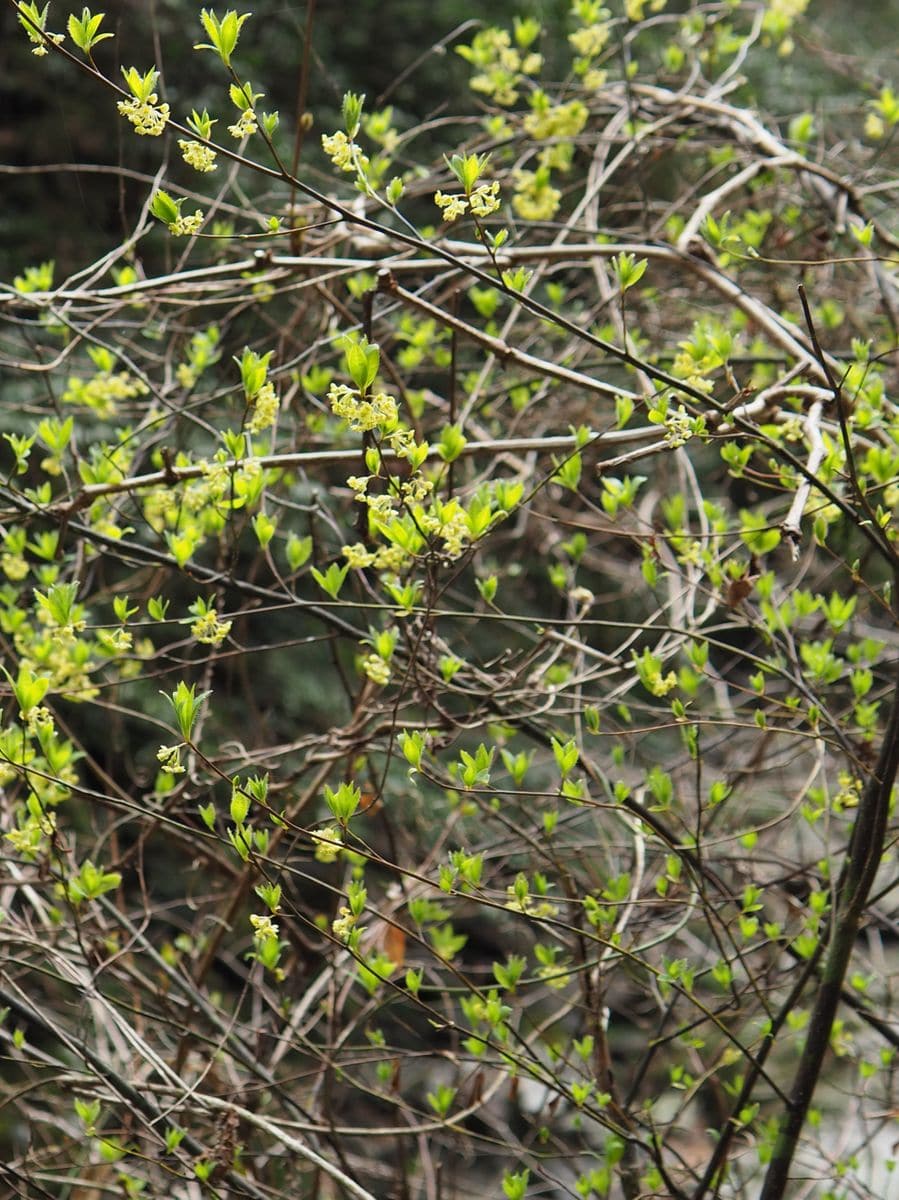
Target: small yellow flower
39, 49
535, 198
186, 375
485, 199
362, 415
148, 117
15, 566
198, 156
265, 409
169, 758
343, 925
452, 206
595, 79
40, 720
339, 149
263, 927
209, 629
186, 226
591, 40
357, 556
377, 670
678, 427
115, 641
245, 125
327, 844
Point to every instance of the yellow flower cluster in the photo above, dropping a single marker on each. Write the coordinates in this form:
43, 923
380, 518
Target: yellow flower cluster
186, 226
40, 721
196, 155
114, 641
186, 375
209, 629
357, 557
591, 40
343, 153
530, 905
28, 837
245, 125
535, 197
483, 201
502, 66
678, 427
187, 515
389, 559
328, 844
41, 48
15, 566
451, 527
377, 670
264, 928
362, 415
380, 506
147, 116
344, 924
104, 391
452, 206
265, 409
556, 120
169, 758
657, 683
62, 656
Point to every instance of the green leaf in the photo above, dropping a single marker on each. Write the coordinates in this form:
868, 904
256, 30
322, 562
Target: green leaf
142, 87
164, 208
363, 359
351, 110
83, 30
452, 443
330, 581
297, 551
222, 34
344, 802
568, 472
187, 704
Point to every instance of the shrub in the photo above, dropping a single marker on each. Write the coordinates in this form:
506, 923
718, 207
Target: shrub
450, 721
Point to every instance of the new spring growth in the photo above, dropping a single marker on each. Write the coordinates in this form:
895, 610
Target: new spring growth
244, 100
412, 743
167, 210
207, 627
259, 393
344, 802
143, 109
195, 154
28, 689
187, 704
649, 670
240, 802
58, 609
340, 147
89, 883
222, 34
84, 30
34, 21
361, 410
242, 795
482, 198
